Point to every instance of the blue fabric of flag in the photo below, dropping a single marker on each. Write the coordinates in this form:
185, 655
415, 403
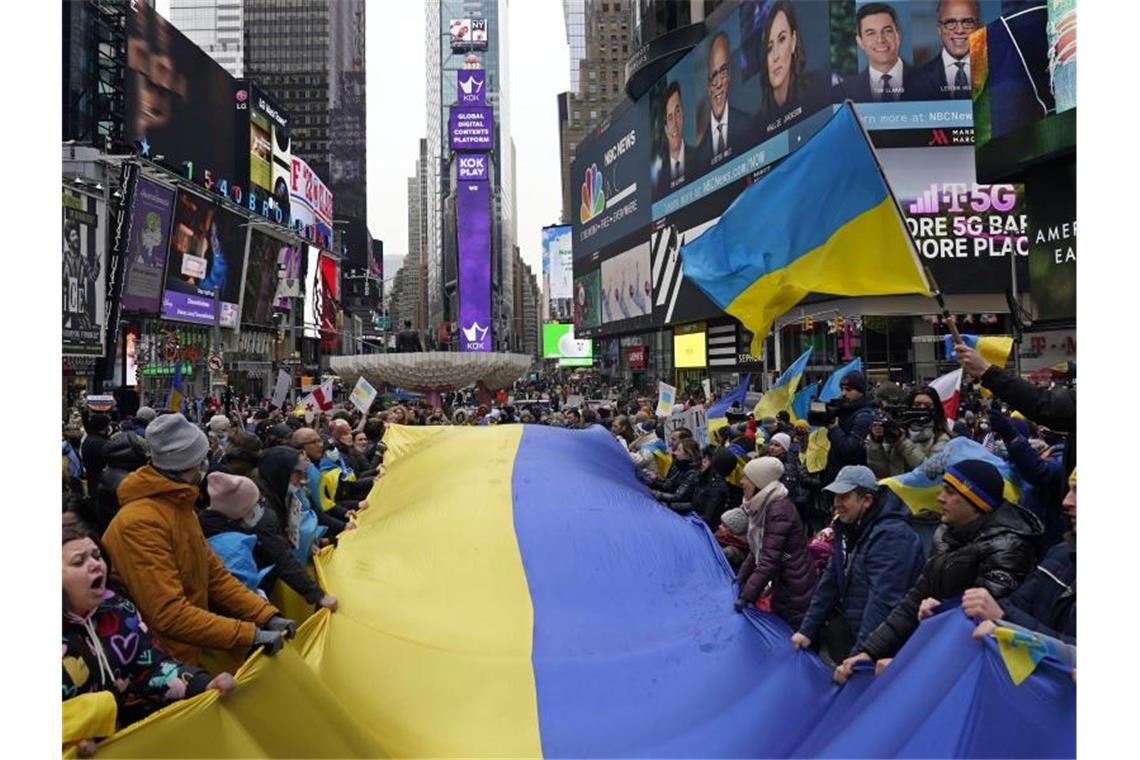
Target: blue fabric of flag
830, 389
736, 396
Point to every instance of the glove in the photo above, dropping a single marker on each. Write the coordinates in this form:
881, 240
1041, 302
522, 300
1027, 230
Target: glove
740, 605
273, 641
283, 624
1002, 425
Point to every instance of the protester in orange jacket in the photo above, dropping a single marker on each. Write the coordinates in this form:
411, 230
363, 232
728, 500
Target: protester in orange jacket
161, 556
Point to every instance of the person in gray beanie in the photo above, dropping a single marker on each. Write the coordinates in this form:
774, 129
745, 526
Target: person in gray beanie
162, 558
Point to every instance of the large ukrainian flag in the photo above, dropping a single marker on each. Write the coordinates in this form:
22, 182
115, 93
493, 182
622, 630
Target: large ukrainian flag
823, 221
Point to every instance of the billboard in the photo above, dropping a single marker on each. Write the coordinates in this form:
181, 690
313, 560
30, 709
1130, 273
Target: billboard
471, 87
260, 279
290, 262
558, 261
473, 167
177, 98
558, 342
310, 203
626, 293
1051, 193
330, 292
689, 351
152, 210
84, 268
471, 128
265, 141
207, 251
609, 181
473, 229
311, 318
230, 292
468, 33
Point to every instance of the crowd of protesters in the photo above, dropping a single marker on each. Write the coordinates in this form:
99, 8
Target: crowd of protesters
177, 530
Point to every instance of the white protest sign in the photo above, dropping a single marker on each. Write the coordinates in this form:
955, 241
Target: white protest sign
284, 380
666, 397
363, 395
695, 419
706, 384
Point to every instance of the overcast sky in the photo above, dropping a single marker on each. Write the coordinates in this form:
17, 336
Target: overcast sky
539, 70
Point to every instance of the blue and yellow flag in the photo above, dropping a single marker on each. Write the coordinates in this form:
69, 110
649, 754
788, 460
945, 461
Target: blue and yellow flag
823, 221
801, 404
919, 488
174, 402
830, 389
779, 396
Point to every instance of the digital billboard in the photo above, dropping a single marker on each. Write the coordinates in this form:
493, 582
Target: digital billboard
330, 292
310, 203
1051, 195
468, 33
290, 263
470, 87
473, 229
265, 145
177, 99
472, 167
260, 279
558, 342
207, 251
84, 268
689, 351
558, 270
311, 319
471, 128
230, 292
152, 210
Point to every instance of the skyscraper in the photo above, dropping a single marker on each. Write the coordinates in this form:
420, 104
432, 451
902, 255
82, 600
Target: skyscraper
442, 63
310, 55
216, 26
599, 38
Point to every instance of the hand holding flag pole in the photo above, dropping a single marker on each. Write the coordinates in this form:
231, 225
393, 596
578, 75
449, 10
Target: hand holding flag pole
947, 317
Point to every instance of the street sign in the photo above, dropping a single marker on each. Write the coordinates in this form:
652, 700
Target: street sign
384, 323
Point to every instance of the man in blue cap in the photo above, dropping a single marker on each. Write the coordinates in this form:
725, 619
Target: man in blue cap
983, 542
877, 556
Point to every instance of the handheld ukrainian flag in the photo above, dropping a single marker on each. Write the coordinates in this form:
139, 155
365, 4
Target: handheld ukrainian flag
801, 404
830, 388
919, 488
779, 396
994, 348
823, 221
174, 402
736, 396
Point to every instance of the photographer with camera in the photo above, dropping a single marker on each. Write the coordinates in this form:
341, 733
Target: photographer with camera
903, 437
848, 424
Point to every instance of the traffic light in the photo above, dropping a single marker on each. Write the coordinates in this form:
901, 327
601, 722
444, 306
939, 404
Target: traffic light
837, 324
809, 324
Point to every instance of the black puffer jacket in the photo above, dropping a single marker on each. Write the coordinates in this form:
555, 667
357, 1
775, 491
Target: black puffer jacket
997, 552
124, 454
679, 487
714, 494
847, 438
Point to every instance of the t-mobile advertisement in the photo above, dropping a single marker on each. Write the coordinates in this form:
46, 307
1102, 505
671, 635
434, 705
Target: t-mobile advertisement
149, 240
473, 227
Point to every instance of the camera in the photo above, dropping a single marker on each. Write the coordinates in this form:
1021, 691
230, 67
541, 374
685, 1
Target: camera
821, 414
896, 420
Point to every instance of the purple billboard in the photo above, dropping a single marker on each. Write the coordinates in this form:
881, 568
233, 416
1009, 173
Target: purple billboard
151, 212
473, 228
472, 167
470, 87
472, 128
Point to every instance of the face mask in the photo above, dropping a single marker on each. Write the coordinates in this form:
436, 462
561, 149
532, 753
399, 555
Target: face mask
253, 517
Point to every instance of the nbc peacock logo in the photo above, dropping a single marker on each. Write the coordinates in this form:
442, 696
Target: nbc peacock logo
593, 198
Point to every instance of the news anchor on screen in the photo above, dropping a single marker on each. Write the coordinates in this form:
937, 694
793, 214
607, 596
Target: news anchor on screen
676, 162
887, 77
946, 76
729, 129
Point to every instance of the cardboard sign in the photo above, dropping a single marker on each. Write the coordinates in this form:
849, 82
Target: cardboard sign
666, 397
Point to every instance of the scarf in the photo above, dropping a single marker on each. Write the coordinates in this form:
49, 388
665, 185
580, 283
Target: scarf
757, 509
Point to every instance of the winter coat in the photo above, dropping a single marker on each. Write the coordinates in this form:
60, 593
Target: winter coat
886, 460
160, 554
997, 552
784, 562
713, 496
1044, 487
873, 563
111, 650
123, 456
1054, 408
93, 452
792, 479
1047, 601
678, 489
847, 437
272, 549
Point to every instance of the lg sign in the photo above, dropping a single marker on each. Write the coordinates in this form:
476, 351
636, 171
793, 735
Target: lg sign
472, 166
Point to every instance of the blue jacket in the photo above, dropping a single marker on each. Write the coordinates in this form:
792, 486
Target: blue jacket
1045, 485
873, 564
1047, 601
